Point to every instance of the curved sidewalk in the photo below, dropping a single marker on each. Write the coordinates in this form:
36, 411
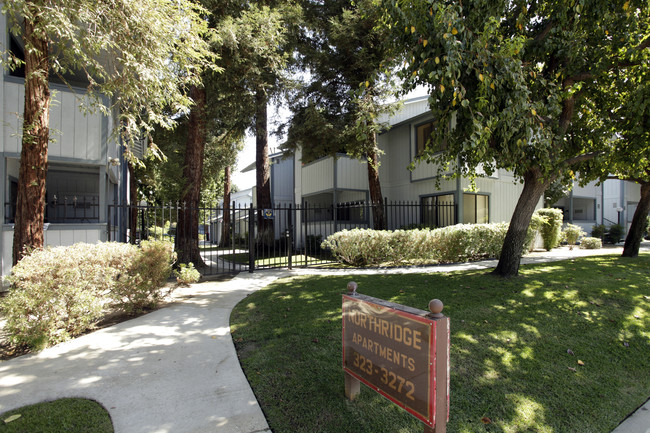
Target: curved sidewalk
175, 370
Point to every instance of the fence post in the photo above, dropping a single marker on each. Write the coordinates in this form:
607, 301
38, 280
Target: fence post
108, 225
251, 239
233, 238
289, 236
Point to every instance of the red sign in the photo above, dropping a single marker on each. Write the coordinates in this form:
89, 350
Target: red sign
392, 349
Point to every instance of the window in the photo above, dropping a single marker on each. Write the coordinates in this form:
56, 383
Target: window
423, 138
438, 210
476, 209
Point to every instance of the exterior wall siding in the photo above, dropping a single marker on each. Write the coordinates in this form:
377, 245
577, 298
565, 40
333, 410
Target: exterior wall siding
75, 134
317, 176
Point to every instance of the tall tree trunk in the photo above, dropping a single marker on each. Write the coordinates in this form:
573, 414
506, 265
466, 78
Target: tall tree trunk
513, 244
639, 221
225, 227
376, 198
30, 206
263, 169
187, 227
133, 204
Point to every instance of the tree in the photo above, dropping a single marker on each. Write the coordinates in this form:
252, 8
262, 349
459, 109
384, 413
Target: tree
255, 53
512, 83
345, 52
627, 107
137, 53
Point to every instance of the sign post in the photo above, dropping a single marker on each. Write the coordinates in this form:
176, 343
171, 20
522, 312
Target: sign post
400, 352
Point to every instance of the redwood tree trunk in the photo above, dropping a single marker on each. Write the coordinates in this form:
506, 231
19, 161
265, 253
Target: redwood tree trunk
30, 206
225, 227
263, 170
639, 220
187, 227
376, 198
513, 244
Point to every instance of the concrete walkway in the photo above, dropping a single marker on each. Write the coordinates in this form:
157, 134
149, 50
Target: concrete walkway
175, 370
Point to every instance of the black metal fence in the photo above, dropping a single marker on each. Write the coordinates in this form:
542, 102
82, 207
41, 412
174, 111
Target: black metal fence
244, 238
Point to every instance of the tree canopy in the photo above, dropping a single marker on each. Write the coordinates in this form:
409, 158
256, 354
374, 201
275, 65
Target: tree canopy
514, 85
137, 54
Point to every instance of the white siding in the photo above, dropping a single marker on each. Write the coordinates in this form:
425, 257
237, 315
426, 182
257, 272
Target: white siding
318, 176
13, 105
76, 134
351, 173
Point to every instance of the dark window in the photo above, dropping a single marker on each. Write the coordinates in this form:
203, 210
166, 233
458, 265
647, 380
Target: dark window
476, 209
438, 210
423, 138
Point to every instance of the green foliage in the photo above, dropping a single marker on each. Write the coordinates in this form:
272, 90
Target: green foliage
59, 293
187, 274
589, 243
551, 229
459, 243
152, 58
140, 286
614, 233
571, 233
598, 231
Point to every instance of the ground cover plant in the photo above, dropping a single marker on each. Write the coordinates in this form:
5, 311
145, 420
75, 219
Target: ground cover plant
68, 414
561, 348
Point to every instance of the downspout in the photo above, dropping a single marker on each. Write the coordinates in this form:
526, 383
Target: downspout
571, 204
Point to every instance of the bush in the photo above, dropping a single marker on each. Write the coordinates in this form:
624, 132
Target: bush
58, 293
598, 231
187, 274
551, 229
462, 242
571, 234
589, 243
614, 233
139, 287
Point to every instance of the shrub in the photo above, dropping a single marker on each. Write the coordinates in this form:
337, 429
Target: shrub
462, 242
598, 231
589, 243
187, 274
58, 293
614, 233
551, 228
571, 234
140, 286
536, 222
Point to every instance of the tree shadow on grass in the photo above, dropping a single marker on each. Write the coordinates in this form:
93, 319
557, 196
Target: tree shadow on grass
561, 348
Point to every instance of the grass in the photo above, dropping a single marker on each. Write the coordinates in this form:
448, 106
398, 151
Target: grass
65, 415
515, 347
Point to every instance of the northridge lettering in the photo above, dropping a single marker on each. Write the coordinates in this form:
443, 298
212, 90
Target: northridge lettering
409, 337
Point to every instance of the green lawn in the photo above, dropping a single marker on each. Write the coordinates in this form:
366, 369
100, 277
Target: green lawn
515, 348
65, 415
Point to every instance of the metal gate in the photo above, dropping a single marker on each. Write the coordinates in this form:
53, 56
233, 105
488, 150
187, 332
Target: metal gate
245, 238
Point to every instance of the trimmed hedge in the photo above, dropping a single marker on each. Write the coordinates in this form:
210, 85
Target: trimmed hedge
459, 243
61, 292
551, 230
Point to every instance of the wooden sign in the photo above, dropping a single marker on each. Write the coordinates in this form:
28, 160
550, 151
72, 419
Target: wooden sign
393, 349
